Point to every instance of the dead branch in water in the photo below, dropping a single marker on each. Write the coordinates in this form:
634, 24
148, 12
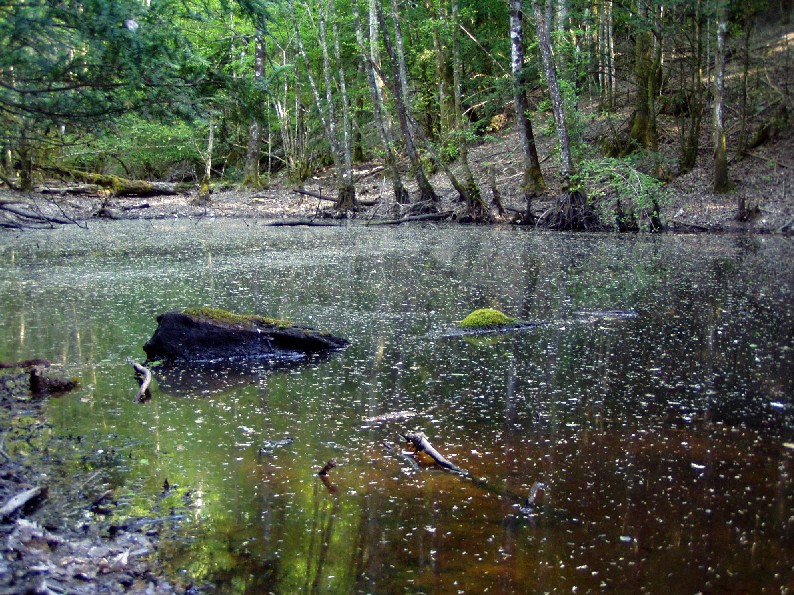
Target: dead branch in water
409, 218
422, 444
328, 466
19, 501
144, 376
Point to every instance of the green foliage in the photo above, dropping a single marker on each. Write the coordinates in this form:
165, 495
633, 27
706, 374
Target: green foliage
484, 318
141, 149
623, 196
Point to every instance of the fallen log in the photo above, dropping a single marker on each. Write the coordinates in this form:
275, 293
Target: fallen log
426, 217
144, 376
422, 444
116, 185
209, 334
299, 222
363, 203
78, 189
19, 501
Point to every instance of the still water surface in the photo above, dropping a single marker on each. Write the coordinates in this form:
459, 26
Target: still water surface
666, 441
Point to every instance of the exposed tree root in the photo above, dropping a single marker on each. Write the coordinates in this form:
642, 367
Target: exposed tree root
571, 213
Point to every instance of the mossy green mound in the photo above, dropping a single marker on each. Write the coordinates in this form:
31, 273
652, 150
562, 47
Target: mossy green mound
486, 318
227, 317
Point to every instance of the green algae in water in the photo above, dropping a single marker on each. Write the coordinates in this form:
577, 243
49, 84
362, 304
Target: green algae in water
485, 318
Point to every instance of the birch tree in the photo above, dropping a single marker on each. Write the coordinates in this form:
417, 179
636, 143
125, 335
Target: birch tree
532, 181
341, 149
370, 58
428, 199
721, 180
572, 210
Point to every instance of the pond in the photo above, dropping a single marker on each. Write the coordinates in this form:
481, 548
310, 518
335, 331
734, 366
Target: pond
665, 439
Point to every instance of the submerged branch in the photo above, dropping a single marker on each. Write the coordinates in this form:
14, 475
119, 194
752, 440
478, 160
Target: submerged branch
422, 444
144, 376
19, 501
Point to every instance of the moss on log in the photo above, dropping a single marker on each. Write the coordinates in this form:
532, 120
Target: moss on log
485, 318
116, 185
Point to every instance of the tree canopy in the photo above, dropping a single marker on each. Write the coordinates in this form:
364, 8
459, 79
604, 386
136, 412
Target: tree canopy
244, 89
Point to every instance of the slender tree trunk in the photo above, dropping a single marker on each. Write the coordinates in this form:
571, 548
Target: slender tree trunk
371, 60
643, 128
744, 108
427, 196
347, 195
532, 182
544, 44
572, 210
444, 75
476, 208
345, 190
25, 152
721, 180
695, 96
251, 176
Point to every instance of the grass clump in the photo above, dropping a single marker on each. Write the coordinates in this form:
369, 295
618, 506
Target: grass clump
485, 318
227, 317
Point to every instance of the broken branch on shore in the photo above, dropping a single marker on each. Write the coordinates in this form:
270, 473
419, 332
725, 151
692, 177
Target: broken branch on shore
422, 444
144, 376
19, 501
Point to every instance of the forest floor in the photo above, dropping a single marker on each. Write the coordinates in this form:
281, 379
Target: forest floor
764, 178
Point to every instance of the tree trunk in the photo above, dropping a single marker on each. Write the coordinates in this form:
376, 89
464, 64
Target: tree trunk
695, 96
427, 195
347, 191
544, 44
371, 61
325, 108
444, 73
251, 176
572, 210
476, 209
532, 182
643, 128
25, 152
721, 181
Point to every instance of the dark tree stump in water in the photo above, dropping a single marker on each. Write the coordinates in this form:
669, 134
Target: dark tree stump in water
207, 335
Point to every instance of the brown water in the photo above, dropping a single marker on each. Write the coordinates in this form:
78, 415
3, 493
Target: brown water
665, 440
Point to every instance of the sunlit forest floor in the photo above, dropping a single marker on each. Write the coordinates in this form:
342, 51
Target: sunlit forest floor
764, 178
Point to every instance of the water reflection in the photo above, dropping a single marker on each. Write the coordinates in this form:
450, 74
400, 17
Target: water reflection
665, 440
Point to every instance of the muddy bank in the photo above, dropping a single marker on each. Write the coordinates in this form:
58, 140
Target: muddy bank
72, 536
